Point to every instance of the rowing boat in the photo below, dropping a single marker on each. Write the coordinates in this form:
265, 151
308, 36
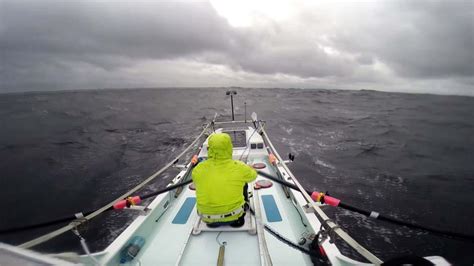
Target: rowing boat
284, 224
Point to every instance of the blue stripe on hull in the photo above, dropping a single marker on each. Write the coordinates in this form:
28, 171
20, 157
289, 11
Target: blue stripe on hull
271, 209
183, 214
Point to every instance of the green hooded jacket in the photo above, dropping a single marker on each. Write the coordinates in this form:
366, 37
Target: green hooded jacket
219, 180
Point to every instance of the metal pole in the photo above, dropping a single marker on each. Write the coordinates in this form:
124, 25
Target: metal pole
245, 112
231, 93
232, 105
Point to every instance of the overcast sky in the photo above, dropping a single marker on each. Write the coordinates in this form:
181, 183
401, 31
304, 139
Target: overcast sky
408, 46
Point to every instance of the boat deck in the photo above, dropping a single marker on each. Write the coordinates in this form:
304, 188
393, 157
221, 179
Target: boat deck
171, 242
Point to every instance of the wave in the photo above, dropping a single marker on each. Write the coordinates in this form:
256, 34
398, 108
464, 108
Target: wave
369, 149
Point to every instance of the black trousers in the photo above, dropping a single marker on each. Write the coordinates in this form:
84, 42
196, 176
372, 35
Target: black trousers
246, 194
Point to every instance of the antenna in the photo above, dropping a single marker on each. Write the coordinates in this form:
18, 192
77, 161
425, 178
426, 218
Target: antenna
245, 112
232, 93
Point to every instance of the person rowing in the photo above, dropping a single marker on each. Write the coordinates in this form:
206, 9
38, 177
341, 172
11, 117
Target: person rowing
219, 183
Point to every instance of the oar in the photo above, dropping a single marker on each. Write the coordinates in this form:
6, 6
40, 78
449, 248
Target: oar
119, 205
325, 199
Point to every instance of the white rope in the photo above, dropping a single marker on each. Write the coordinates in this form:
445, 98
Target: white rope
88, 252
320, 213
66, 228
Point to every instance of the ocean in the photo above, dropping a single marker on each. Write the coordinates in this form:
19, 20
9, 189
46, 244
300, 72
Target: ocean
408, 156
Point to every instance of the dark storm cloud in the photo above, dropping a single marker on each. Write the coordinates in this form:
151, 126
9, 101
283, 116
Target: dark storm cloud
88, 44
134, 29
47, 42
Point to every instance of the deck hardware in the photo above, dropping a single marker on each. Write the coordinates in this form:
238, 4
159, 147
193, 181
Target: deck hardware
262, 183
287, 193
178, 191
309, 236
179, 166
328, 230
291, 157
220, 257
141, 209
259, 165
302, 241
308, 208
321, 236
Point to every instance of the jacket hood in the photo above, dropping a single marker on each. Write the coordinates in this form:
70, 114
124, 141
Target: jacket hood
220, 146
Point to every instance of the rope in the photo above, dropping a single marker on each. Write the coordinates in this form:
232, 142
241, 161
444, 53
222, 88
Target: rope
320, 213
66, 228
284, 239
85, 247
290, 243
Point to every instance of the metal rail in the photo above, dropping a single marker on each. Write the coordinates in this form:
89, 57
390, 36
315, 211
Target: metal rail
229, 122
320, 213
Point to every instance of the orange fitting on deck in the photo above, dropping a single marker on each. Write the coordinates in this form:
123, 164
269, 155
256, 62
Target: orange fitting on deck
272, 159
194, 160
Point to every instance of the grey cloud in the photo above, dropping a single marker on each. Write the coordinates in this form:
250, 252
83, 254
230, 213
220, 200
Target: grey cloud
83, 43
133, 29
304, 62
43, 41
280, 49
48, 35
365, 59
418, 39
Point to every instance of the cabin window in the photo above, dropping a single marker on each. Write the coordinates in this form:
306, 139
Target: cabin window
260, 145
238, 138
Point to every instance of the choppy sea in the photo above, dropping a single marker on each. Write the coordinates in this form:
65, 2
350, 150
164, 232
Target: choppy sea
404, 155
